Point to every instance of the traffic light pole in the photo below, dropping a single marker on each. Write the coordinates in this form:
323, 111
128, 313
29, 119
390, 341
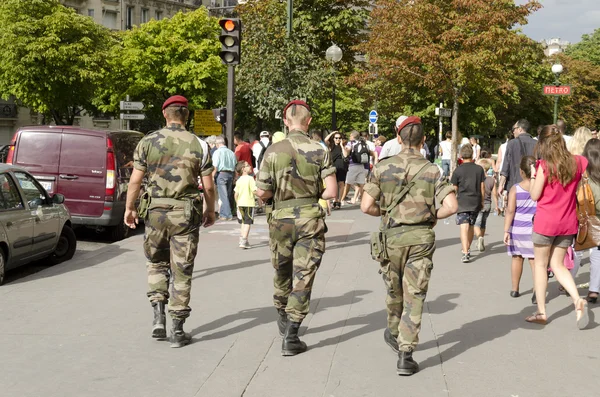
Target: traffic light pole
230, 105
290, 8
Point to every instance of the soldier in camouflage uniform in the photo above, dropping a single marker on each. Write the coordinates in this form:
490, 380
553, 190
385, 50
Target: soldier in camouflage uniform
292, 173
406, 186
173, 160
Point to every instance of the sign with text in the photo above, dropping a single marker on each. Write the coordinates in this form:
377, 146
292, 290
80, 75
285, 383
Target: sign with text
443, 112
557, 90
205, 123
126, 105
125, 116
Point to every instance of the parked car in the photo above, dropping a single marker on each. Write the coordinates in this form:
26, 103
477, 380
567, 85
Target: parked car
90, 167
33, 224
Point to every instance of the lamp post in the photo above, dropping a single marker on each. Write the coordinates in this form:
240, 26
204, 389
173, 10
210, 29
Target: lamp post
334, 55
557, 69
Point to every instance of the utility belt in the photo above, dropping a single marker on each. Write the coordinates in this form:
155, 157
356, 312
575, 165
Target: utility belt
192, 207
379, 249
295, 203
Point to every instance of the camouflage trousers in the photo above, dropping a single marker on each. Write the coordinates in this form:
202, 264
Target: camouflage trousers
170, 245
297, 246
406, 276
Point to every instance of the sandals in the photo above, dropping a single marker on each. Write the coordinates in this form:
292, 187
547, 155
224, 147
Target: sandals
583, 319
537, 318
591, 299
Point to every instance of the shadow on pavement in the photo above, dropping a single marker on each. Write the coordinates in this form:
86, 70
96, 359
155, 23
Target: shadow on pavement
234, 266
448, 242
347, 237
475, 333
442, 304
263, 315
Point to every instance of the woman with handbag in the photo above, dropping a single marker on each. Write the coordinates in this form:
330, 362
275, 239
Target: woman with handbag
592, 153
554, 187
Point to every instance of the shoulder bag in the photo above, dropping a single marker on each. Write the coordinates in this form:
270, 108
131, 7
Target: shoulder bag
588, 233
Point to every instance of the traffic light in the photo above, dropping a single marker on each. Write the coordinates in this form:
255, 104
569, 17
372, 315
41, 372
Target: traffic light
231, 37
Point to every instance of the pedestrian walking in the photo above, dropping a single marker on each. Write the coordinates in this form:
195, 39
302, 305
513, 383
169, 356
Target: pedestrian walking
522, 145
445, 150
292, 174
172, 159
469, 181
592, 153
555, 224
339, 158
406, 187
243, 151
518, 225
245, 190
359, 164
489, 196
224, 162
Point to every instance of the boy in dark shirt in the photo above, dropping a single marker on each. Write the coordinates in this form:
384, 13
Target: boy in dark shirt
468, 180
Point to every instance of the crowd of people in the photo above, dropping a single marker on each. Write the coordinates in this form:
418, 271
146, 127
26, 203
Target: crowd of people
298, 178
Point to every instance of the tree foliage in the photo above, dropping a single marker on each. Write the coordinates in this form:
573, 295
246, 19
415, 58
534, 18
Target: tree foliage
455, 49
53, 60
155, 60
588, 49
275, 68
582, 107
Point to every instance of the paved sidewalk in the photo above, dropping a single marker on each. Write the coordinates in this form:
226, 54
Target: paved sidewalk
82, 328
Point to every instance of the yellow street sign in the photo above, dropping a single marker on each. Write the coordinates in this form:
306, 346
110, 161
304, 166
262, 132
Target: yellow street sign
205, 124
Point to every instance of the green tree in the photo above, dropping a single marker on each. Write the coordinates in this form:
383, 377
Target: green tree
52, 59
178, 55
453, 48
588, 49
582, 107
275, 68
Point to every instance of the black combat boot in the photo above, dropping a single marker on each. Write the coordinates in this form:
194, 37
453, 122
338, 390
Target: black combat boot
391, 340
292, 345
159, 326
406, 365
178, 337
282, 321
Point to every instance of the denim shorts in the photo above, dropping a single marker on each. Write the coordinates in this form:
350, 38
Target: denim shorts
467, 217
481, 221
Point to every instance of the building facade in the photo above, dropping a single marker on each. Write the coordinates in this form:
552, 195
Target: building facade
554, 46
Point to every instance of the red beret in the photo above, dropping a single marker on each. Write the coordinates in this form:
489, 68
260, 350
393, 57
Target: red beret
295, 102
175, 100
408, 121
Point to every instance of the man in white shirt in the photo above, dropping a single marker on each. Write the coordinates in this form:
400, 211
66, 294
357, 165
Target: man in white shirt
446, 153
393, 146
260, 147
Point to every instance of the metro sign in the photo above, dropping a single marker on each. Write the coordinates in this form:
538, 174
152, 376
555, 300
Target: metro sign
557, 90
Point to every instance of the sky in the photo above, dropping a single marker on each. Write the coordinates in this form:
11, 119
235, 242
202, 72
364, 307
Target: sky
565, 19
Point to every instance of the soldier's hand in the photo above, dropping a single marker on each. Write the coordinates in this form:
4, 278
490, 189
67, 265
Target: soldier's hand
131, 218
208, 218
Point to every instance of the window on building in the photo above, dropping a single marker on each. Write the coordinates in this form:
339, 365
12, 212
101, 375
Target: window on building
145, 15
91, 12
158, 15
109, 19
129, 18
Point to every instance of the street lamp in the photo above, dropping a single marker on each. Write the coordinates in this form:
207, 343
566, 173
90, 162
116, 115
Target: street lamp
333, 55
557, 69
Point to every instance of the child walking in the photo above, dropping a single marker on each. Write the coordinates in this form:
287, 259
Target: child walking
245, 189
518, 225
489, 196
468, 180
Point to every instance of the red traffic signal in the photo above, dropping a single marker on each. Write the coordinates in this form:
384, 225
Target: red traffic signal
230, 38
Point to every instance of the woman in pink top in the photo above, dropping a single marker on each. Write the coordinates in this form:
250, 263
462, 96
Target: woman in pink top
554, 187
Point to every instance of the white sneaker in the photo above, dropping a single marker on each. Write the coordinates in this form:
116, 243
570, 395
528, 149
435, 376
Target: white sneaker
480, 244
244, 244
241, 243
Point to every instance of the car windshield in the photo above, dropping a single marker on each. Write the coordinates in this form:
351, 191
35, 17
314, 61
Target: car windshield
125, 144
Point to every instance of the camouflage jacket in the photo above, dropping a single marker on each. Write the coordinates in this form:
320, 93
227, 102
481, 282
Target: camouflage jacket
295, 169
173, 159
418, 206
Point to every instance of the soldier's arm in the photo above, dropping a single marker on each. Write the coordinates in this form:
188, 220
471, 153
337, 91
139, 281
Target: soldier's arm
133, 191
371, 193
448, 208
264, 179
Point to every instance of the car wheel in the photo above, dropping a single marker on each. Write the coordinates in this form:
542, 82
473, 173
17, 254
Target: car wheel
66, 246
118, 232
2, 267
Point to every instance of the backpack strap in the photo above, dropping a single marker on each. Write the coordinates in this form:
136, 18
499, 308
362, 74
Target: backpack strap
406, 189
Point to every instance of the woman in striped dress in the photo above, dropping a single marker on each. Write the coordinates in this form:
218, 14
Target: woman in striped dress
518, 225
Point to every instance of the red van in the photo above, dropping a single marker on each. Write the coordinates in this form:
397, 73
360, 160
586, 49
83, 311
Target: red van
90, 167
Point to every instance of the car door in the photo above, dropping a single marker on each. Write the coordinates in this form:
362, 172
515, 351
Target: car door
17, 219
38, 152
46, 214
82, 173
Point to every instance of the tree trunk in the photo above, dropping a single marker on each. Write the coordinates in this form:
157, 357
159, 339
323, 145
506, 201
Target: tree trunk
455, 135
